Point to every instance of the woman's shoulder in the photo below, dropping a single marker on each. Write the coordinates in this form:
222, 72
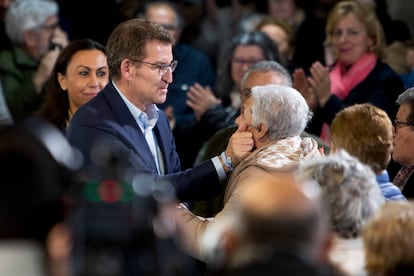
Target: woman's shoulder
383, 69
383, 74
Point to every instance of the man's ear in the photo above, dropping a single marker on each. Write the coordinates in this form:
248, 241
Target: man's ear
127, 69
29, 38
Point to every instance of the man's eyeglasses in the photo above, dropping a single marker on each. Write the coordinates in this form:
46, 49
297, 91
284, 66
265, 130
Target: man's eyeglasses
399, 124
162, 68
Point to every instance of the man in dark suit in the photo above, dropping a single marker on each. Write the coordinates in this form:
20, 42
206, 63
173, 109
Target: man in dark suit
124, 116
194, 67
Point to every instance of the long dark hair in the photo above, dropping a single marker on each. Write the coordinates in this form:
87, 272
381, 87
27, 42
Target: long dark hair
56, 105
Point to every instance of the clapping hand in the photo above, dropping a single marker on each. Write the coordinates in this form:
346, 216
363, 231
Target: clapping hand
201, 99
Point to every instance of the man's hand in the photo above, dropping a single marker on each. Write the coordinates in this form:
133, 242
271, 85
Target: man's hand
44, 70
241, 143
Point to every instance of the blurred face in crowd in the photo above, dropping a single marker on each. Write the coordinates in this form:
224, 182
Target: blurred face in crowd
279, 37
283, 9
40, 38
403, 152
350, 39
87, 73
4, 5
165, 16
243, 57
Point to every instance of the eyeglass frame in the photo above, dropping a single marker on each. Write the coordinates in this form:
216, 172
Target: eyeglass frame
399, 124
162, 68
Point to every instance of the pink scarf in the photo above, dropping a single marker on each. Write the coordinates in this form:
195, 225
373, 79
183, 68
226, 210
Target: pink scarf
343, 81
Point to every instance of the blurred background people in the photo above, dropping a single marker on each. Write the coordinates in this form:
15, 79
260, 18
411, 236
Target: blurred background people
403, 152
353, 196
394, 29
365, 131
290, 11
124, 225
80, 72
310, 33
358, 74
280, 227
282, 35
400, 57
33, 28
5, 42
245, 49
388, 240
193, 67
37, 173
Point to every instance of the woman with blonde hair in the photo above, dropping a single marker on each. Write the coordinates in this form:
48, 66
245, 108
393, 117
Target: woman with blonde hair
357, 75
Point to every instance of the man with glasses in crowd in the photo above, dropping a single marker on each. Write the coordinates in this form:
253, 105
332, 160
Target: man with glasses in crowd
124, 118
403, 152
33, 28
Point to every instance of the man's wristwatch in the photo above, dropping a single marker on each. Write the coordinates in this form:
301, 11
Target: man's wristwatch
227, 161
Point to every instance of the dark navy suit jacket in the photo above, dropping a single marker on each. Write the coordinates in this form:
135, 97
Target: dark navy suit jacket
107, 119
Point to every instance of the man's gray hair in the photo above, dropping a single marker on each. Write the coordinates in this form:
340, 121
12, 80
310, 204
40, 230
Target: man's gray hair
281, 108
269, 66
23, 15
406, 97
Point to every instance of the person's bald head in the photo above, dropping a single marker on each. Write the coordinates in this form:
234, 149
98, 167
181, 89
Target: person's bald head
272, 213
278, 212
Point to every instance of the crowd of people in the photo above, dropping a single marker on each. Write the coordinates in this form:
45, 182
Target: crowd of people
268, 137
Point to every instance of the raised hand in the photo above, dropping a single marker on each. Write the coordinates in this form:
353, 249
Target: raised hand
320, 83
300, 83
201, 99
44, 70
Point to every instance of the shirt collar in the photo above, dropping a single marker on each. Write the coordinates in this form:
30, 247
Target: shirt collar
151, 111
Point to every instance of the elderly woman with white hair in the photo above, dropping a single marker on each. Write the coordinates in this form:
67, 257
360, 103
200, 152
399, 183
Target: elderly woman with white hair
275, 116
353, 196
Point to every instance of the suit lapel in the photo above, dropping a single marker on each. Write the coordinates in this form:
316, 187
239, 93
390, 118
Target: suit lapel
129, 127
